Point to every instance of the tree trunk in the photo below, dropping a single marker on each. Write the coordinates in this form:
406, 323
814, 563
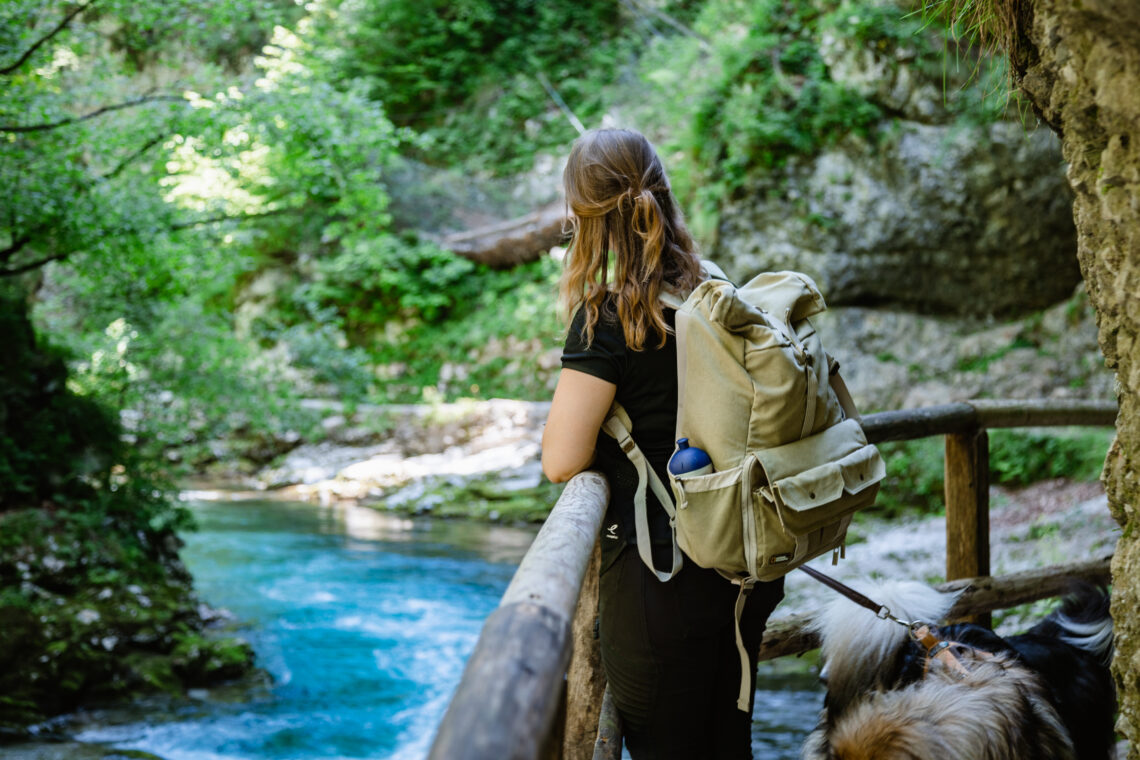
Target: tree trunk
1079, 66
514, 242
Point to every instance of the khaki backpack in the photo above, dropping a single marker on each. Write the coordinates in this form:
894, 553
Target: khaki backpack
791, 464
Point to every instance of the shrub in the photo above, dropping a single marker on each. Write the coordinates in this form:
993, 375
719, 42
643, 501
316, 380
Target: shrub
915, 469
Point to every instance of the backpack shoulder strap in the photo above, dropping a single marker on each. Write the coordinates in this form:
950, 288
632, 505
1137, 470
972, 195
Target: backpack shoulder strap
618, 425
844, 396
671, 299
714, 270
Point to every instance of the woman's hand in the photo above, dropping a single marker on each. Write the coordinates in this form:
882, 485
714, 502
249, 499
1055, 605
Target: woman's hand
581, 403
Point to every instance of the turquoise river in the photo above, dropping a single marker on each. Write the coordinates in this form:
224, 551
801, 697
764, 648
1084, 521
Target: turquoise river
363, 622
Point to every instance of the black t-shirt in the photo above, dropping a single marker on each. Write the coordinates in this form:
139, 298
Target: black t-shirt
646, 383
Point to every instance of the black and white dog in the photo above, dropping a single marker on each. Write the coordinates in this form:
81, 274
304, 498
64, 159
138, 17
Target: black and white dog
1046, 694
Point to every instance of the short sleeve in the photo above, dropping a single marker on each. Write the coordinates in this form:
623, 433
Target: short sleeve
604, 357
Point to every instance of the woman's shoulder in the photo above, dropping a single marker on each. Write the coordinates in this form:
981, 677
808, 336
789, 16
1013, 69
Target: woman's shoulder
605, 335
607, 313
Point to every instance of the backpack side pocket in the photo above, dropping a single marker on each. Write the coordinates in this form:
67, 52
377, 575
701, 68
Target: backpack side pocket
709, 521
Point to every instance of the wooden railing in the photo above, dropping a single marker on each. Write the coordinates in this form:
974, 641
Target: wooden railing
512, 689
522, 695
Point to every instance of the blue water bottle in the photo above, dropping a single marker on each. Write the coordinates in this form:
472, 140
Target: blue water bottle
689, 460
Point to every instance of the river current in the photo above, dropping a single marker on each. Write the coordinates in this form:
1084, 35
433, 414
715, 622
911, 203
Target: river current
363, 622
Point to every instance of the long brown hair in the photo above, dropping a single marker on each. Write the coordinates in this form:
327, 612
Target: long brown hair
620, 198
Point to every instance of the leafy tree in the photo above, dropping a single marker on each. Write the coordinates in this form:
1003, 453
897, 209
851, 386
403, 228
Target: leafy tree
86, 115
153, 163
491, 82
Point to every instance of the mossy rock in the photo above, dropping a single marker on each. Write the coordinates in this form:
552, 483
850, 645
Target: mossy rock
199, 660
151, 672
59, 652
482, 499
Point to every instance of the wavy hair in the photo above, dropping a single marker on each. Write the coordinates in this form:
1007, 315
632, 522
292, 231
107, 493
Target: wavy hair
621, 203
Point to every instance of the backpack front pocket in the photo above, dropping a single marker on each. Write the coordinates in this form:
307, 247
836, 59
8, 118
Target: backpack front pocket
809, 491
816, 506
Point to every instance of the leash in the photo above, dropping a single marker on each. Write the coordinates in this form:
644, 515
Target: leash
921, 633
881, 611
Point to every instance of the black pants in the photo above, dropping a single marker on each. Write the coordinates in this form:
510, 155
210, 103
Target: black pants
670, 657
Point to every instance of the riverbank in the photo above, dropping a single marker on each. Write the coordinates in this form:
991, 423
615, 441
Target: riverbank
466, 459
1052, 521
91, 614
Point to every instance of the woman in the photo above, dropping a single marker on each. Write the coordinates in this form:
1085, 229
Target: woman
668, 649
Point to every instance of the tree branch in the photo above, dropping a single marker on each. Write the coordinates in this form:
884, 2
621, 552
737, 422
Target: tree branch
11, 128
42, 40
13, 271
16, 246
23, 240
514, 242
133, 157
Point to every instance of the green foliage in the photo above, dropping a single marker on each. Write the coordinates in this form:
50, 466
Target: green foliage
65, 450
470, 73
982, 362
80, 137
757, 91
372, 281
766, 95
1020, 457
160, 210
85, 525
915, 481
775, 99
494, 333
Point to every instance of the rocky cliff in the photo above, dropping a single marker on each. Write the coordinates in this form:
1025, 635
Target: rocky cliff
939, 209
1079, 64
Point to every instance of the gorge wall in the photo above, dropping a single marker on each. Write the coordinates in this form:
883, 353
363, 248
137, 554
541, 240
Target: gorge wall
1079, 64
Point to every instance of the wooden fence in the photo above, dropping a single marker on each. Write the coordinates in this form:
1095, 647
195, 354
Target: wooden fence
533, 686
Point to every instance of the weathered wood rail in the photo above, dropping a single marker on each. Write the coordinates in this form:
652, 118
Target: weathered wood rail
512, 688
967, 460
533, 687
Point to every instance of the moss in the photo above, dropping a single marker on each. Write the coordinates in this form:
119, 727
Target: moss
483, 499
87, 617
93, 599
199, 660
149, 672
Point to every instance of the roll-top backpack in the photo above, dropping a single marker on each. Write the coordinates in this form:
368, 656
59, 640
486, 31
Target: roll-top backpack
791, 463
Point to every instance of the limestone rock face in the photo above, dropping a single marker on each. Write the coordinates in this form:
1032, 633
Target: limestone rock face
933, 213
1079, 63
899, 360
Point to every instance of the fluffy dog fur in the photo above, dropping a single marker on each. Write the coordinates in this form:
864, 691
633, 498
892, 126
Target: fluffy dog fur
1043, 695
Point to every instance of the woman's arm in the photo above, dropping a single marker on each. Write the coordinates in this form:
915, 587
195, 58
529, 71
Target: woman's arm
581, 402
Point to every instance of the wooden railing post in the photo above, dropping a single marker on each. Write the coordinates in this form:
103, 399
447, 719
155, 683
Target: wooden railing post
968, 507
585, 681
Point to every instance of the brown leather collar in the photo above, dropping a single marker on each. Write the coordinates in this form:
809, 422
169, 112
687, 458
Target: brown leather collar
942, 650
